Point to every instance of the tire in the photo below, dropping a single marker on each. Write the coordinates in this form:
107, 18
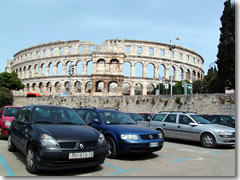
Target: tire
208, 140
112, 151
11, 146
31, 161
161, 131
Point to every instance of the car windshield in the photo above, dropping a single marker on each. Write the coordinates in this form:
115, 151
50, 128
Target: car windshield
56, 115
10, 111
136, 117
116, 117
200, 120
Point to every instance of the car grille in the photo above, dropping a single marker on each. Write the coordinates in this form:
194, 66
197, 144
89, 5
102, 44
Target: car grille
149, 136
69, 145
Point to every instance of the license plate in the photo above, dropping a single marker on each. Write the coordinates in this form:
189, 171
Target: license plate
81, 155
153, 144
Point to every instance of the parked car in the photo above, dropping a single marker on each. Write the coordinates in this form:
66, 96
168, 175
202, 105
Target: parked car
138, 119
192, 126
7, 114
147, 116
122, 133
225, 120
65, 94
54, 138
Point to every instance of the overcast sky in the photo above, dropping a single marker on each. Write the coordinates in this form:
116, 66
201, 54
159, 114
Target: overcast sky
25, 23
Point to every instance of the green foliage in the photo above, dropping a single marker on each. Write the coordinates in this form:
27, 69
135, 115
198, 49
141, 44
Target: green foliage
226, 48
6, 97
10, 81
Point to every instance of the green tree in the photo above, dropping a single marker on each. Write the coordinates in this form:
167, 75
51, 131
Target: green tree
10, 81
226, 48
6, 97
178, 89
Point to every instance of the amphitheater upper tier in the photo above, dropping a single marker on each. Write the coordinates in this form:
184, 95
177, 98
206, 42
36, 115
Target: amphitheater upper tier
116, 67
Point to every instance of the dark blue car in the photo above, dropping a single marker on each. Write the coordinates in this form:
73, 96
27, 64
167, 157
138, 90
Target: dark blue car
122, 133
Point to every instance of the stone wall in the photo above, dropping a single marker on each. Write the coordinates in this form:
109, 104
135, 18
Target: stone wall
200, 103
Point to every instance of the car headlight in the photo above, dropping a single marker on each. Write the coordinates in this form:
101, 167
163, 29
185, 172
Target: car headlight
160, 135
129, 137
7, 123
225, 134
49, 142
101, 139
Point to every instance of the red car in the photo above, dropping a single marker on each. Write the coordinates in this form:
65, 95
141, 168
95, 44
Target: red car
7, 114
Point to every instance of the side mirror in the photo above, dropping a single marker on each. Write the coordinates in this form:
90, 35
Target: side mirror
96, 121
193, 124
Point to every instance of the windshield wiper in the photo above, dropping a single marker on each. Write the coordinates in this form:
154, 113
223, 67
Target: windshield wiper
44, 122
66, 123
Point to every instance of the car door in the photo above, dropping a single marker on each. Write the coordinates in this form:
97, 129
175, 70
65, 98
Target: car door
157, 121
169, 126
186, 131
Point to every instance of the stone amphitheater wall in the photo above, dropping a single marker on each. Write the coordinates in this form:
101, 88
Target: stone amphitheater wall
200, 103
98, 69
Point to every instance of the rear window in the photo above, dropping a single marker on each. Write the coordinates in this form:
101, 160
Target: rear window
10, 111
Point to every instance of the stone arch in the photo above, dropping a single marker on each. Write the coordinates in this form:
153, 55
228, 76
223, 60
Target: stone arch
150, 70
162, 70
100, 86
67, 86
101, 65
188, 74
50, 69
40, 87
89, 67
34, 87
113, 87
127, 69
114, 65
49, 87
57, 87
77, 86
59, 67
198, 76
126, 88
79, 67
139, 69
193, 75
138, 89
36, 68
43, 69
88, 87
180, 74
150, 89
68, 65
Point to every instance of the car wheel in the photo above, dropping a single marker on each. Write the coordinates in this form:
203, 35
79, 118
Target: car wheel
11, 146
208, 140
31, 162
112, 151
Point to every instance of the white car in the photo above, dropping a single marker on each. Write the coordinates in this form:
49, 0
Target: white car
193, 127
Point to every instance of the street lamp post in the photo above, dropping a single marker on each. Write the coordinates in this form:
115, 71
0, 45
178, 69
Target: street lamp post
172, 46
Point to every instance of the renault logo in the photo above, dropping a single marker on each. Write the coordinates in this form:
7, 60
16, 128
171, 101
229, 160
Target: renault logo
150, 136
81, 146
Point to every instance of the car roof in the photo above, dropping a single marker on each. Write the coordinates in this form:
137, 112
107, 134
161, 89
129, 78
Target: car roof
177, 112
41, 105
97, 109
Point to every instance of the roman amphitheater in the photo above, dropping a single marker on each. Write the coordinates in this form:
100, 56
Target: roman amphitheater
114, 68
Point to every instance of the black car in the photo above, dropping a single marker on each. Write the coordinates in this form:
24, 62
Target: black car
54, 138
225, 120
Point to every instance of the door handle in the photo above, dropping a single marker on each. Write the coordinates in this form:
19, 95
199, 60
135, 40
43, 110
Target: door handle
163, 124
179, 126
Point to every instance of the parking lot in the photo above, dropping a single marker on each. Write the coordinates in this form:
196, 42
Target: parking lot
177, 158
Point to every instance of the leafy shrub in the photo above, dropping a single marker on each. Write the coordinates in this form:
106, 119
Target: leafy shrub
6, 97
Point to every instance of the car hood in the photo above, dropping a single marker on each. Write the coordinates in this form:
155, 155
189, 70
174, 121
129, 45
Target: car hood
218, 127
126, 128
8, 118
68, 132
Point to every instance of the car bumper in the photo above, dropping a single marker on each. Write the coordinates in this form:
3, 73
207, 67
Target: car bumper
4, 131
57, 160
143, 147
225, 141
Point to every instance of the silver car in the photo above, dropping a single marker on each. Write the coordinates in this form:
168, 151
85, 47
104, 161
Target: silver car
192, 126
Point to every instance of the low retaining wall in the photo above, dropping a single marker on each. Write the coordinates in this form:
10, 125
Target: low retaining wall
200, 103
